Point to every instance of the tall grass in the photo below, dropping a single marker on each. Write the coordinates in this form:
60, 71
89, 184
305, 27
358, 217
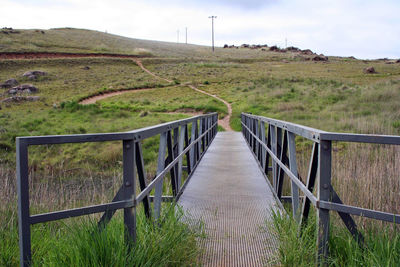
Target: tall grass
81, 243
77, 242
382, 247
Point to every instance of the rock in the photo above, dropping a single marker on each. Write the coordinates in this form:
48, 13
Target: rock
274, 48
293, 49
33, 74
23, 88
307, 52
143, 114
320, 58
369, 70
17, 99
86, 68
9, 83
33, 98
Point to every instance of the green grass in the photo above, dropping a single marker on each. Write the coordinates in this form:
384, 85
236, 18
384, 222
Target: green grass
332, 96
80, 243
381, 247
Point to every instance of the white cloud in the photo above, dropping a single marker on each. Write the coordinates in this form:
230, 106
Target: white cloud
365, 29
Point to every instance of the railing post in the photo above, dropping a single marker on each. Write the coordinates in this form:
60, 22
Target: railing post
324, 193
129, 189
23, 203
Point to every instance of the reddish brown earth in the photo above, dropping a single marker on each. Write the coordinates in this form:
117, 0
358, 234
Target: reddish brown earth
94, 99
32, 55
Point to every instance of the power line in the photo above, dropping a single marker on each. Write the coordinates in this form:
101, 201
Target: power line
212, 29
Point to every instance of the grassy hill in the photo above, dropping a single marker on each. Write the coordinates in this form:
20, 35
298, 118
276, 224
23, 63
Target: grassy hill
332, 95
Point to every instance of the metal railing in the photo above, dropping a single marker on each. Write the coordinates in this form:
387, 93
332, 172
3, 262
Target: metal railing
274, 141
175, 144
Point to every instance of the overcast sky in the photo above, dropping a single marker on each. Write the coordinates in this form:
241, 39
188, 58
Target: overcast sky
360, 28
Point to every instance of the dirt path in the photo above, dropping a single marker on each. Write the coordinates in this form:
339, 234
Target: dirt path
94, 99
34, 55
223, 122
139, 63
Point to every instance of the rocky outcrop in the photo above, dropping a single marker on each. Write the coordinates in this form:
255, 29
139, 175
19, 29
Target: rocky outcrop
9, 83
23, 88
320, 57
34, 74
17, 99
370, 70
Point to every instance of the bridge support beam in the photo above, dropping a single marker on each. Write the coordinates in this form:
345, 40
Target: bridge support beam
324, 194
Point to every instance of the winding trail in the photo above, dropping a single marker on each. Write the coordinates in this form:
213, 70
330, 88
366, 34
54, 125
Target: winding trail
223, 122
94, 99
90, 100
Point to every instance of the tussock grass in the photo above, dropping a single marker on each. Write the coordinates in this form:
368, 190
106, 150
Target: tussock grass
381, 247
80, 242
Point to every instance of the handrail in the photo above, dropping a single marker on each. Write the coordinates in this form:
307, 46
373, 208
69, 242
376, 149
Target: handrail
278, 144
175, 143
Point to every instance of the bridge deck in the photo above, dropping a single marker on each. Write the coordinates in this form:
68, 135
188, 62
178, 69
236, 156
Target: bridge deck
228, 192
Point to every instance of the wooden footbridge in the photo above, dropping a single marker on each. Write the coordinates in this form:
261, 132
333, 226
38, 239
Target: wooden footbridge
230, 181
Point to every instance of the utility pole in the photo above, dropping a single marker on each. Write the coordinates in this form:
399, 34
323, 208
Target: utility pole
177, 36
285, 42
212, 29
186, 34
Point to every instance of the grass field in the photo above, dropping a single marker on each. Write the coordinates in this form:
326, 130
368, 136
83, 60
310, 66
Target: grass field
335, 96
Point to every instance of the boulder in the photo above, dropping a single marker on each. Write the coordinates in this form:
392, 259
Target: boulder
274, 48
293, 49
23, 88
33, 74
320, 57
369, 70
9, 83
17, 99
307, 52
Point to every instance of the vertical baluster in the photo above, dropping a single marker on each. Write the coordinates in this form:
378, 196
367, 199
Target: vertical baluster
263, 151
23, 203
129, 189
180, 149
274, 149
293, 169
193, 138
160, 168
324, 193
170, 158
